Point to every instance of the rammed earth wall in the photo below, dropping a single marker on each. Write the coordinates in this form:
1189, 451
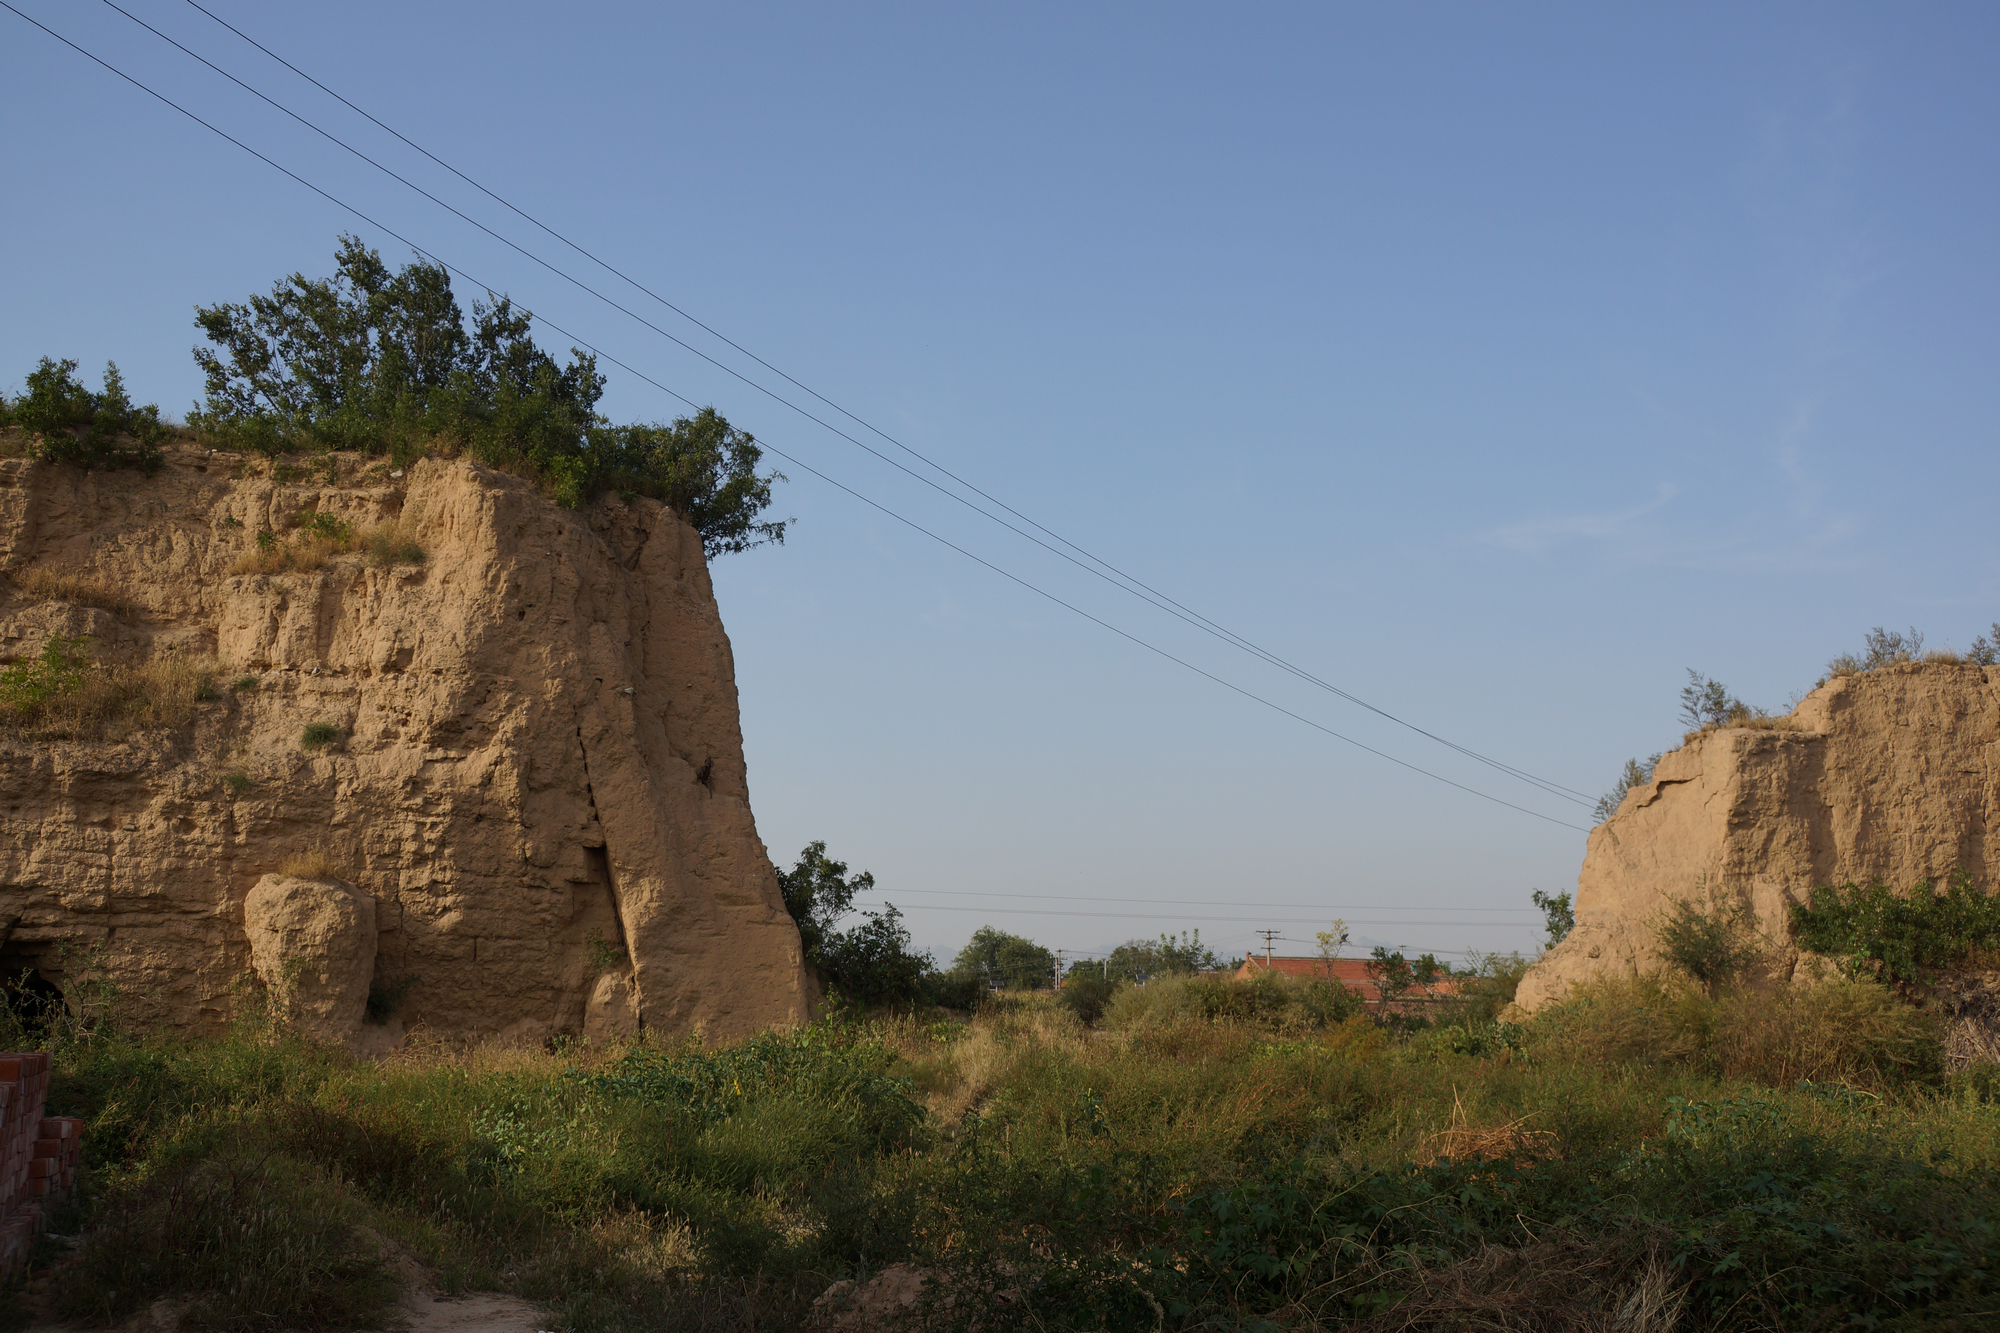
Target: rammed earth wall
539, 778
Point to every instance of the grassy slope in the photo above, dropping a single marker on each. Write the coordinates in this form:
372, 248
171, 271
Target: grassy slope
1174, 1172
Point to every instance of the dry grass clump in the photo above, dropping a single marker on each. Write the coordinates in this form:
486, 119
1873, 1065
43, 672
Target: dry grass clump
1564, 1284
317, 538
302, 553
58, 585
61, 693
311, 865
1840, 1030
391, 543
1462, 1142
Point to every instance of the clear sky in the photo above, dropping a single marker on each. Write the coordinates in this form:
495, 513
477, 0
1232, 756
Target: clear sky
1495, 364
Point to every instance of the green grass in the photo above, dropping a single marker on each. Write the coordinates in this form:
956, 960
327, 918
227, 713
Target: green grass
317, 735
1168, 1170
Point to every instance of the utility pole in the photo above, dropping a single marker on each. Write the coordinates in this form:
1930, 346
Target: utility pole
1268, 935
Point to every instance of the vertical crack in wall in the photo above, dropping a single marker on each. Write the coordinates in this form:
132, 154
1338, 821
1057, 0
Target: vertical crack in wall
598, 858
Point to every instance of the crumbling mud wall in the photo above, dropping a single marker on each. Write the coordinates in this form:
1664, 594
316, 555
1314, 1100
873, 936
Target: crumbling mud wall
1893, 775
536, 779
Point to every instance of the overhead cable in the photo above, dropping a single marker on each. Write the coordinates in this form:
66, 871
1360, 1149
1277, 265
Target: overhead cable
795, 461
1108, 572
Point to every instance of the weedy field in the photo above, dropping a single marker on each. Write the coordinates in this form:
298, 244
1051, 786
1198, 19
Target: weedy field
1213, 1154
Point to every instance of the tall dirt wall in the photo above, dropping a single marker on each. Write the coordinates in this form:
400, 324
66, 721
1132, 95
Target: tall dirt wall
540, 778
1891, 775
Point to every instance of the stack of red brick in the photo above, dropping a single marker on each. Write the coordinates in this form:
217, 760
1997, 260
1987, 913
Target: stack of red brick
38, 1155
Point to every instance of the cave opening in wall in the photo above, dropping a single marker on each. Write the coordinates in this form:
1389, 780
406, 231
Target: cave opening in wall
30, 986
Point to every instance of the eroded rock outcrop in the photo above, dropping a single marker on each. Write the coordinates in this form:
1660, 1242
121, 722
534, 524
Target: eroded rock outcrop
536, 777
312, 943
1893, 775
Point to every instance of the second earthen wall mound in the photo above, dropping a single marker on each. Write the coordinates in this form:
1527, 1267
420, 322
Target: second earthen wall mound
1890, 775
537, 780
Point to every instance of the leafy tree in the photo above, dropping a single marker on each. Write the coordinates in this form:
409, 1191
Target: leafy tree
704, 468
1636, 774
67, 423
1559, 911
385, 362
872, 962
1395, 975
818, 893
1168, 956
1009, 961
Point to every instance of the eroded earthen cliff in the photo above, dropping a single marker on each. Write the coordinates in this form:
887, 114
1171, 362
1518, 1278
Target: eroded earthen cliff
537, 781
1893, 775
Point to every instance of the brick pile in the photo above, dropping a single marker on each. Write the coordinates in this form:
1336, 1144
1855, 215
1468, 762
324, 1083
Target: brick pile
38, 1155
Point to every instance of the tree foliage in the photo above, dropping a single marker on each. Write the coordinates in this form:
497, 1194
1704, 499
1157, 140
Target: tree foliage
1708, 703
1636, 774
1903, 938
1395, 976
1168, 956
871, 963
1711, 936
1011, 962
66, 423
1559, 912
385, 362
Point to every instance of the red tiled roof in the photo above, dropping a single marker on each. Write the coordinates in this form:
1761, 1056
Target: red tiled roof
1349, 972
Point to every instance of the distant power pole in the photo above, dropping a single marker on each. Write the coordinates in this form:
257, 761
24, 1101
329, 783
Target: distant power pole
1268, 935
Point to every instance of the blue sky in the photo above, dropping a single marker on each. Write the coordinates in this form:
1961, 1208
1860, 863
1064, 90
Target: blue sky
1495, 364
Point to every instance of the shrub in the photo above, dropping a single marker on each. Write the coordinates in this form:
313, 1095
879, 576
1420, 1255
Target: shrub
67, 423
318, 734
1710, 936
1086, 992
243, 684
254, 1241
1904, 939
57, 673
1707, 703
1881, 647
238, 783
1268, 1000
1841, 1030
1486, 986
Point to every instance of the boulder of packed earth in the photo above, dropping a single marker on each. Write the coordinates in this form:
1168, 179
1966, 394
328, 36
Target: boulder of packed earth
312, 943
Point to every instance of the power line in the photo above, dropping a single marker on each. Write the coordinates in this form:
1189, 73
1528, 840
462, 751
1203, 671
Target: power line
797, 462
1178, 916
1199, 902
1117, 577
